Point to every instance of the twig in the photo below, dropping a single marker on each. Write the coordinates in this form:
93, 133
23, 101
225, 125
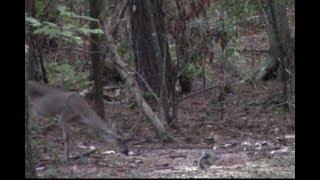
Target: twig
70, 49
48, 126
84, 154
276, 105
253, 50
234, 130
121, 114
198, 92
136, 121
145, 82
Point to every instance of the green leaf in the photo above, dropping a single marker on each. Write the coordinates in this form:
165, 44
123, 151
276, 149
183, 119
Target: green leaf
33, 22
50, 24
62, 9
85, 31
86, 18
98, 31
67, 34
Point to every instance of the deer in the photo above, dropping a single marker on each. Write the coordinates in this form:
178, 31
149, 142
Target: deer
47, 101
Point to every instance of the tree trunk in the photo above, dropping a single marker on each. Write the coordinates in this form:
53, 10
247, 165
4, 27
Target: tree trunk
35, 68
278, 31
281, 52
32, 71
30, 171
97, 61
150, 47
182, 44
123, 70
143, 16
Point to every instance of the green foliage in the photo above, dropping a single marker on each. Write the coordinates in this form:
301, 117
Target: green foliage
130, 59
148, 96
195, 70
37, 155
235, 9
40, 8
34, 129
197, 28
52, 171
172, 50
66, 28
32, 125
33, 22
67, 74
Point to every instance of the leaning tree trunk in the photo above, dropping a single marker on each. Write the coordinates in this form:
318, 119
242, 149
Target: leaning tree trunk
133, 86
278, 31
97, 61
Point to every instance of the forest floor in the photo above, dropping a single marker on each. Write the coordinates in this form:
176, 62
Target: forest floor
247, 127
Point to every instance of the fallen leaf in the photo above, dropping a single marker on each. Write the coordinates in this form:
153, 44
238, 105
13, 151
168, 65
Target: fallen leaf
108, 152
39, 168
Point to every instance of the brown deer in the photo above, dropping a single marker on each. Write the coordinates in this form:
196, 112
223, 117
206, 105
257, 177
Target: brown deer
47, 101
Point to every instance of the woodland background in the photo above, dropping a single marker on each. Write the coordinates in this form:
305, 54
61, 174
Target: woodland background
177, 76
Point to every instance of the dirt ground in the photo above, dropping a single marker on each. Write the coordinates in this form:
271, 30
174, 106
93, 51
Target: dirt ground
252, 134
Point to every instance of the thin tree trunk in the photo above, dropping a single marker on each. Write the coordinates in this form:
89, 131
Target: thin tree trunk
181, 42
161, 46
30, 171
97, 61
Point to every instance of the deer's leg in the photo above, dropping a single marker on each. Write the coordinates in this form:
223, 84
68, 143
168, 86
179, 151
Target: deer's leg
66, 139
83, 159
65, 118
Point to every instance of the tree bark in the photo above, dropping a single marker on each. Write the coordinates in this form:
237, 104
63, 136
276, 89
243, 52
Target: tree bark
35, 67
143, 16
280, 53
150, 46
182, 44
133, 86
97, 61
30, 171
